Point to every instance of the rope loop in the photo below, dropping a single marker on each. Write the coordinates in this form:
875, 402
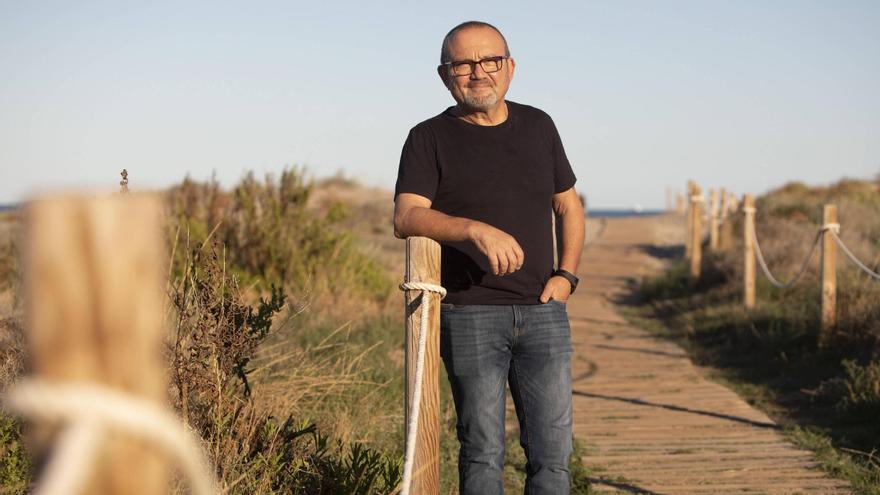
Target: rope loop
832, 227
749, 209
87, 412
423, 286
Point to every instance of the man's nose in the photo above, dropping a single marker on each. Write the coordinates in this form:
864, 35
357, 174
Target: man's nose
478, 68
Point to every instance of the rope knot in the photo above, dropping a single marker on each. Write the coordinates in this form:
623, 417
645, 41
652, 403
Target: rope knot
423, 286
749, 209
833, 227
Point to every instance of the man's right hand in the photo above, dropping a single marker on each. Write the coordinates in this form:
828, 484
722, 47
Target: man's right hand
504, 254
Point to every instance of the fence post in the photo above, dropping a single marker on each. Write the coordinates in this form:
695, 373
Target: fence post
829, 277
679, 204
689, 221
713, 220
696, 233
724, 236
94, 313
734, 203
423, 265
749, 252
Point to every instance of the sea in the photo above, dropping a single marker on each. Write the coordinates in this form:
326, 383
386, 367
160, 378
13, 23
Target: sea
623, 212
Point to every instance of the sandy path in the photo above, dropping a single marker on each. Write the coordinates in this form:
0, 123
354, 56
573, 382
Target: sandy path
653, 423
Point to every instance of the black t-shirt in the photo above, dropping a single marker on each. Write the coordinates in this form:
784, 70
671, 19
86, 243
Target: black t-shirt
503, 175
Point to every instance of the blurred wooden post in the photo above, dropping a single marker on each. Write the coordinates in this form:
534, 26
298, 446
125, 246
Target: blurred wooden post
829, 278
689, 220
749, 252
94, 313
423, 265
713, 220
724, 236
696, 233
679, 204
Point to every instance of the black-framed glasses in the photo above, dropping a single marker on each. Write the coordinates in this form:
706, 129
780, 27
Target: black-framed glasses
466, 67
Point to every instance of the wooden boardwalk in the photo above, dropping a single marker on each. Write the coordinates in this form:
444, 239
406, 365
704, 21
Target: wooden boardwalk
653, 423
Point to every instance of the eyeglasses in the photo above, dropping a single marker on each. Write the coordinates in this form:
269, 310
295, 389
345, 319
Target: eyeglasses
466, 67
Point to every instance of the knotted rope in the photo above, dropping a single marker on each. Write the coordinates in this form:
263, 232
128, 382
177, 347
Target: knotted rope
412, 426
89, 412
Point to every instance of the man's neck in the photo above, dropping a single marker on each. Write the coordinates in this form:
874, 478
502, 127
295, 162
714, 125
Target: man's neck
493, 116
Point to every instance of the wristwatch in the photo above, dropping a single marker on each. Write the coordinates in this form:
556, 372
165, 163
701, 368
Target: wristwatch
567, 276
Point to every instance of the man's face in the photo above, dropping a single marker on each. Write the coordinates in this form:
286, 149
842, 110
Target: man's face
478, 91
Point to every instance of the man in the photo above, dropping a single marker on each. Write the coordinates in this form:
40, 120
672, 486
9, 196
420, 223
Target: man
481, 179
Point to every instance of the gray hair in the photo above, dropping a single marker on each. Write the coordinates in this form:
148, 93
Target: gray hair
444, 50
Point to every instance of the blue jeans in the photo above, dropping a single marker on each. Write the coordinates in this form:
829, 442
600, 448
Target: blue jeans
529, 346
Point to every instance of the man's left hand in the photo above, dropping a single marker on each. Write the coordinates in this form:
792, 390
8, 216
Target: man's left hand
557, 288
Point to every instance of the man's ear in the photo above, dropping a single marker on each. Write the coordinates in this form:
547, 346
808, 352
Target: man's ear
512, 67
444, 75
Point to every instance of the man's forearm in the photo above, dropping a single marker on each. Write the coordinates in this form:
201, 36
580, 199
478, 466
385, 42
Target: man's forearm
425, 222
572, 239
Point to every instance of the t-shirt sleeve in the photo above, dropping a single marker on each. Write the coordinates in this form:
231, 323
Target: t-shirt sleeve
418, 171
563, 175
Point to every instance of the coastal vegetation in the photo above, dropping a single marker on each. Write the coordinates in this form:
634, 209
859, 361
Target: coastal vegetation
285, 338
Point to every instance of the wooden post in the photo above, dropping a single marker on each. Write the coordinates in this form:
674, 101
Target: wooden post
734, 203
696, 233
423, 265
724, 236
713, 220
94, 313
829, 278
749, 252
679, 204
689, 221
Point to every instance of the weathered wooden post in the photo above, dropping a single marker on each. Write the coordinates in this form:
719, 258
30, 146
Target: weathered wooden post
689, 221
749, 252
423, 265
829, 275
713, 220
696, 233
734, 203
94, 313
724, 236
679, 204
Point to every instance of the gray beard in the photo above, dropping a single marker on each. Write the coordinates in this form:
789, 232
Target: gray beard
481, 103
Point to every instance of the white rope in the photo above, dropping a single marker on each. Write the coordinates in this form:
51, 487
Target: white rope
852, 257
760, 255
749, 209
833, 227
412, 426
89, 411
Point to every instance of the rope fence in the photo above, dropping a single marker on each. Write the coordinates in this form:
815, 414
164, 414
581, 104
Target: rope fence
720, 226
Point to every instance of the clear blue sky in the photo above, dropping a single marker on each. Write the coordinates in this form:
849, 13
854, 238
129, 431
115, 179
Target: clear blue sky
742, 94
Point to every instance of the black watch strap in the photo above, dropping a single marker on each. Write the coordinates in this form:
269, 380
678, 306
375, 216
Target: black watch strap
567, 275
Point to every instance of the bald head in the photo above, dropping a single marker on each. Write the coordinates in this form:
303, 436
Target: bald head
445, 50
